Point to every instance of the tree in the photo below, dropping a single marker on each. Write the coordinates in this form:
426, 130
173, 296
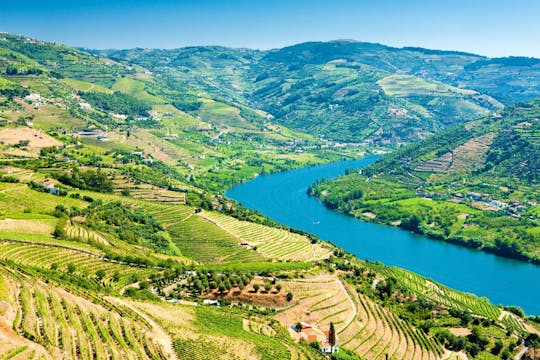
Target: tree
59, 232
71, 268
11, 70
332, 335
267, 287
279, 287
497, 347
289, 296
221, 288
100, 274
256, 287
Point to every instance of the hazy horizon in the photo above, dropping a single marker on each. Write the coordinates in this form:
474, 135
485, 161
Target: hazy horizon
489, 28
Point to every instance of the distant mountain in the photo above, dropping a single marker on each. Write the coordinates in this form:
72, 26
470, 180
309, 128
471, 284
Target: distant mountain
351, 91
476, 184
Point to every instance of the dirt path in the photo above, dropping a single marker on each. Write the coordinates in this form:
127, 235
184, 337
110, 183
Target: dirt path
158, 333
520, 354
12, 189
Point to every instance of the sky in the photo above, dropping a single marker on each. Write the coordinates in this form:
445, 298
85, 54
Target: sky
487, 27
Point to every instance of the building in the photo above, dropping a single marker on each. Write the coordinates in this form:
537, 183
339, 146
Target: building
328, 348
307, 333
211, 302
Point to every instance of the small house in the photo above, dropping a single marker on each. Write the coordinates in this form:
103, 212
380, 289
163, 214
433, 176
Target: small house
326, 345
328, 348
211, 302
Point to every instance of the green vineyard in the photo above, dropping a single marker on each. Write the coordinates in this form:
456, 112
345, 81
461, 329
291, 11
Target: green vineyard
270, 242
64, 325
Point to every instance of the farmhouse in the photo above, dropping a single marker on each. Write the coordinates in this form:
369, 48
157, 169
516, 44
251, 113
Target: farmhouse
85, 106
326, 346
33, 98
311, 334
307, 333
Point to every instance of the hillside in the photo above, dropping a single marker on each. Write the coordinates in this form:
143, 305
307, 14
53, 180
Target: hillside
350, 91
117, 243
475, 184
129, 112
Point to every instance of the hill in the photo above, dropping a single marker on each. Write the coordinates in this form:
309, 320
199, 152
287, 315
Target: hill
350, 91
475, 184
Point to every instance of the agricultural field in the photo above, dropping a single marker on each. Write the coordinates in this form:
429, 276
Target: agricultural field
98, 270
199, 238
442, 294
362, 325
63, 324
270, 242
200, 332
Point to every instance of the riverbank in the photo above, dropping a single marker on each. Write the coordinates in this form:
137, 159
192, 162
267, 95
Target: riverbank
283, 198
499, 248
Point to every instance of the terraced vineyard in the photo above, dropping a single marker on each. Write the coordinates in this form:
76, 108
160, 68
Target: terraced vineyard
269, 242
199, 238
201, 332
148, 192
66, 325
63, 259
362, 325
471, 153
442, 294
437, 165
83, 234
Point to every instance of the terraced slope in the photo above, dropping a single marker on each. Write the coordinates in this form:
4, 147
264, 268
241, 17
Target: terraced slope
363, 326
199, 238
270, 242
70, 260
67, 325
442, 294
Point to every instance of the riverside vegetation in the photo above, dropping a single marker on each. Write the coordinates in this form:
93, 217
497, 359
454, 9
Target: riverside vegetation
475, 184
114, 231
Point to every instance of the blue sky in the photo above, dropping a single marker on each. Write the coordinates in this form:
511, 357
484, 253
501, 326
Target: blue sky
492, 28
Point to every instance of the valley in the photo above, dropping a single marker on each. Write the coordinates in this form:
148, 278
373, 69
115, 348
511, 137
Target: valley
120, 236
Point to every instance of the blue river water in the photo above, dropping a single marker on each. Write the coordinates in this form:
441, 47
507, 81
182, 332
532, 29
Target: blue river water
283, 197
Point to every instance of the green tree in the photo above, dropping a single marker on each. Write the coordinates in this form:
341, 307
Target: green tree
332, 334
100, 274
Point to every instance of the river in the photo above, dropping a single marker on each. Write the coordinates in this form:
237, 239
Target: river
283, 197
